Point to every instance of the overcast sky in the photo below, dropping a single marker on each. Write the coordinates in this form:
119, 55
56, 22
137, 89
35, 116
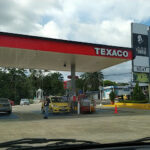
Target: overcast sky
96, 21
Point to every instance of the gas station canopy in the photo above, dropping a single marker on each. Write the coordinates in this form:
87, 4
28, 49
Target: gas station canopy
24, 51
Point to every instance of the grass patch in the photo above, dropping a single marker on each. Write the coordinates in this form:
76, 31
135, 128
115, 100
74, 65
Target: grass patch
133, 101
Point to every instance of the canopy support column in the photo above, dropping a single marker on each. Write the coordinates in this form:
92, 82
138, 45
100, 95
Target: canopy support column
73, 84
73, 87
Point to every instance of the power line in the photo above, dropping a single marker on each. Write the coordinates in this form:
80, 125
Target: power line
118, 74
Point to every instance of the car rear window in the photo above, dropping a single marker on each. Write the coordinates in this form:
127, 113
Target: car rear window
57, 99
4, 101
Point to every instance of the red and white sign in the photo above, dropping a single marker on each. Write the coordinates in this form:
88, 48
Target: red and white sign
67, 84
63, 46
111, 52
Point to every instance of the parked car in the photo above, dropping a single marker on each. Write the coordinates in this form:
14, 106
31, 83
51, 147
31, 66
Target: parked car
58, 104
5, 105
24, 101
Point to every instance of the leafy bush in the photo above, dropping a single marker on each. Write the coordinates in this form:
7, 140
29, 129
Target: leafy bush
112, 96
133, 101
138, 94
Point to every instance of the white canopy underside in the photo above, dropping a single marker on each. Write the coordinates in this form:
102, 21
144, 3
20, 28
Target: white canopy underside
35, 59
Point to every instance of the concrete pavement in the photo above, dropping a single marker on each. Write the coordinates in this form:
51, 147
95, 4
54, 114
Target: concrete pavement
103, 126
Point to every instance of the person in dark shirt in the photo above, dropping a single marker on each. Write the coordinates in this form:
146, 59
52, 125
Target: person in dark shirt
46, 107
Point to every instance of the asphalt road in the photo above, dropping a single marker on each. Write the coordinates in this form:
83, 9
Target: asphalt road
104, 126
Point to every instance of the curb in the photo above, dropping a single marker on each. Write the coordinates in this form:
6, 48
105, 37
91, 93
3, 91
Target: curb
130, 105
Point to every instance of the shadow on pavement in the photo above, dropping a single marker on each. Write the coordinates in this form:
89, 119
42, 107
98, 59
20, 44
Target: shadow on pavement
100, 112
8, 116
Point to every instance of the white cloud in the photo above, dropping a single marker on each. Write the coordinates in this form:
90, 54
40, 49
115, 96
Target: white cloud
110, 32
51, 29
119, 73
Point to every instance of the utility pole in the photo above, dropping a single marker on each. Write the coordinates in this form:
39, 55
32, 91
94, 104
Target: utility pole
149, 61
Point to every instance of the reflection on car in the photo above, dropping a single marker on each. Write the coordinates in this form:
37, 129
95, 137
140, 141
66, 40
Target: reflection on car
24, 102
58, 104
5, 105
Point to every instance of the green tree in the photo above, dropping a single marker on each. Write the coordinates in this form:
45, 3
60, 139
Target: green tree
57, 84
14, 84
36, 78
122, 84
109, 83
47, 84
20, 83
53, 84
90, 81
80, 85
137, 93
112, 96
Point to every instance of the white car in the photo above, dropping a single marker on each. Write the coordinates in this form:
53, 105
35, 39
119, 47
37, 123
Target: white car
5, 105
24, 102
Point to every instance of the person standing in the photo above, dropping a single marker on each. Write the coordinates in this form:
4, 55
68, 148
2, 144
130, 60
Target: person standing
46, 107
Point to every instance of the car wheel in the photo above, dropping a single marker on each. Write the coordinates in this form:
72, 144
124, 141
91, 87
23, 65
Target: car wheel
9, 112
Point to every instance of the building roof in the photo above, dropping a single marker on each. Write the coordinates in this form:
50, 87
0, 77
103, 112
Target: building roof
24, 51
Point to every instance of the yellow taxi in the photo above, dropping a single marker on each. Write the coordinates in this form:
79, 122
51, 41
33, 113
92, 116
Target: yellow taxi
58, 104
